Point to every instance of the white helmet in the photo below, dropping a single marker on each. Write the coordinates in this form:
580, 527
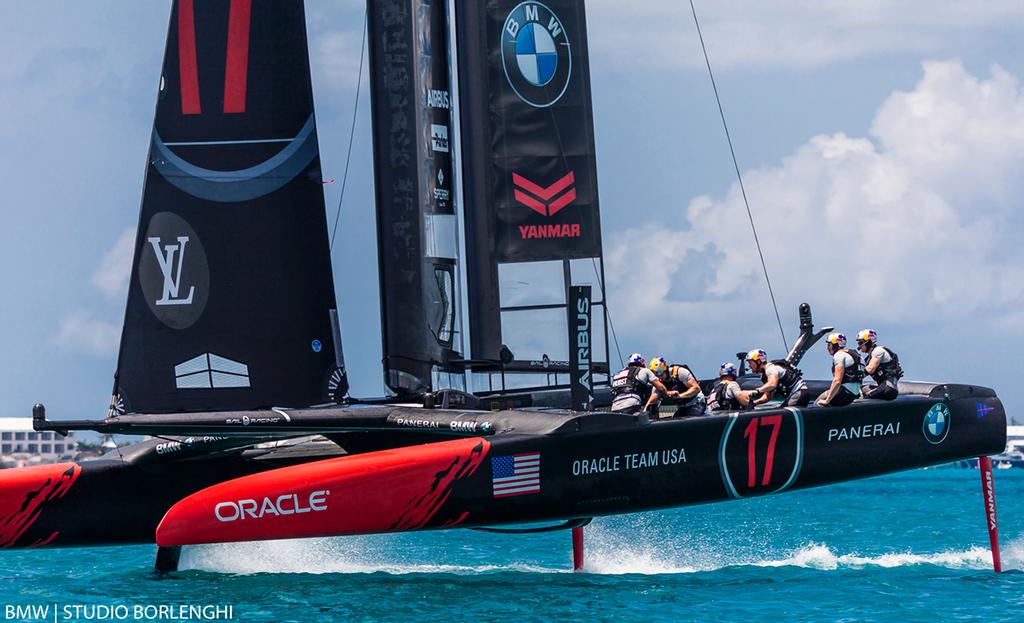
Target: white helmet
836, 339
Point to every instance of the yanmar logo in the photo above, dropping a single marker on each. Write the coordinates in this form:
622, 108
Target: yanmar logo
287, 504
547, 201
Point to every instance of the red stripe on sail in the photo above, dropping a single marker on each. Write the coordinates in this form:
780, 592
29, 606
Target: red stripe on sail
237, 64
187, 69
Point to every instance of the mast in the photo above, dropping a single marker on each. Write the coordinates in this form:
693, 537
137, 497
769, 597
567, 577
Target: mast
417, 226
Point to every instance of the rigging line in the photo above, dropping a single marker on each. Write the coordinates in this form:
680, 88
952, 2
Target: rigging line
597, 272
739, 176
352, 130
608, 312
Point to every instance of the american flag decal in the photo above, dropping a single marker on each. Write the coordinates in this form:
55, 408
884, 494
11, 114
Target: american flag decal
518, 474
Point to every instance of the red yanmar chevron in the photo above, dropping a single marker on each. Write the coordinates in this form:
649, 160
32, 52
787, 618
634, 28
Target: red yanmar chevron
545, 202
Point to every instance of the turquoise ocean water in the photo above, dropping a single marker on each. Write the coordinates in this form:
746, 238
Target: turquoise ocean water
908, 547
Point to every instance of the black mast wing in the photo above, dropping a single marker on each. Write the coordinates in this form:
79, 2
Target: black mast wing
533, 229
231, 302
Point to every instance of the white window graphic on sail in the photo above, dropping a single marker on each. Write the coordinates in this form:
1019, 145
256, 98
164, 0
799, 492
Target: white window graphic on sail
209, 371
172, 271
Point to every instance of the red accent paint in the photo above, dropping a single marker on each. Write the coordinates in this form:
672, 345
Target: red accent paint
545, 205
988, 490
775, 421
23, 494
237, 64
577, 549
387, 491
750, 434
188, 71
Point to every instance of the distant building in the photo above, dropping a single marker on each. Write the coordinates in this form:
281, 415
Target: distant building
1014, 439
19, 444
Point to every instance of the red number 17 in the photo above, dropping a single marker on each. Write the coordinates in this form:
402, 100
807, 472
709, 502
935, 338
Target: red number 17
750, 434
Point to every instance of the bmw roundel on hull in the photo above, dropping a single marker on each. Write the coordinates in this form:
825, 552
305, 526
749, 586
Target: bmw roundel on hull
536, 54
937, 423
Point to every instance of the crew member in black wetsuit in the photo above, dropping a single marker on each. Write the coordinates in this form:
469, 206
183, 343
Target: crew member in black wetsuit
679, 378
727, 395
780, 380
883, 366
847, 373
633, 388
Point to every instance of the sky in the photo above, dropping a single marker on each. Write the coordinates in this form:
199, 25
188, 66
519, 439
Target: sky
881, 144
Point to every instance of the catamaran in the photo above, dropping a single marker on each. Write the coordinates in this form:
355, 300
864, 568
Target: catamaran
494, 316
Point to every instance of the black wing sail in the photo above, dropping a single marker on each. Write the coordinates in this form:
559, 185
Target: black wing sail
533, 230
416, 222
231, 302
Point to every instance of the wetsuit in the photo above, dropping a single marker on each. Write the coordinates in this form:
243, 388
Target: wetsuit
631, 388
887, 374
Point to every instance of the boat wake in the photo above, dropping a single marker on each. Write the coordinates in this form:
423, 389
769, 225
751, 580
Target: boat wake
614, 557
606, 555
323, 556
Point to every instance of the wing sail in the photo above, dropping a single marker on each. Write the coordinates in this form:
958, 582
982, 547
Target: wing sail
231, 301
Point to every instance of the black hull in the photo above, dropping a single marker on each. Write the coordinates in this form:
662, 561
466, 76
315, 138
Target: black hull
589, 465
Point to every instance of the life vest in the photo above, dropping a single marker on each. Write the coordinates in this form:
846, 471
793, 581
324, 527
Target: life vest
626, 384
726, 404
787, 380
889, 372
854, 373
673, 377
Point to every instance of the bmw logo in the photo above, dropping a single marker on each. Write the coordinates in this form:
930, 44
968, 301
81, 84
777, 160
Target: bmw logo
536, 54
936, 423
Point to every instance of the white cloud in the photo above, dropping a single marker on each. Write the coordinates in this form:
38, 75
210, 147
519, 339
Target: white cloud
111, 278
914, 225
81, 332
801, 33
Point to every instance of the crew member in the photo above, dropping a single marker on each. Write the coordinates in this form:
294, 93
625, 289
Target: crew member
632, 387
679, 378
883, 366
727, 395
780, 380
847, 373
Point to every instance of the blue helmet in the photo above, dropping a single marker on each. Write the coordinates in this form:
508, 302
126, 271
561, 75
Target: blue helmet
727, 369
636, 359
